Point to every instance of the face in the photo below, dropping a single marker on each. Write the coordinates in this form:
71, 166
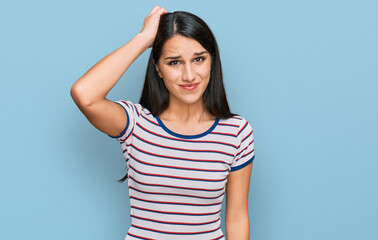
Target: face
184, 67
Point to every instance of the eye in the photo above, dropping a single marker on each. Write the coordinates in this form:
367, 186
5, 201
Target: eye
174, 62
199, 59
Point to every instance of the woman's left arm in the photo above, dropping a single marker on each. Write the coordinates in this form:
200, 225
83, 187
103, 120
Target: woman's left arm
237, 219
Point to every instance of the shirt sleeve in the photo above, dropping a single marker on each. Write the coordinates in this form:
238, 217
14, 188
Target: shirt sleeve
246, 150
132, 112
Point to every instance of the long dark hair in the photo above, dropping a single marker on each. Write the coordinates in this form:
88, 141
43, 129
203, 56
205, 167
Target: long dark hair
155, 96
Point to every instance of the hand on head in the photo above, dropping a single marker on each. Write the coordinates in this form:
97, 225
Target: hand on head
151, 23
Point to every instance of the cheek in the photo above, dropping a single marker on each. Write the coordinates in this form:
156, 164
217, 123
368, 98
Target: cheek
204, 69
204, 72
170, 80
170, 75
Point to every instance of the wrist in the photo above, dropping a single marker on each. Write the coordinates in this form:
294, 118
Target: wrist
144, 40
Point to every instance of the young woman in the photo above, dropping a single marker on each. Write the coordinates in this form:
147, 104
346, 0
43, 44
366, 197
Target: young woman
184, 149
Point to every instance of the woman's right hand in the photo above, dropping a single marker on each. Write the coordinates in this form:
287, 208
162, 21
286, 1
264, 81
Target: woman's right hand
151, 24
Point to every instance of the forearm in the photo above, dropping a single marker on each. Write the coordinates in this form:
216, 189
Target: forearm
237, 228
96, 83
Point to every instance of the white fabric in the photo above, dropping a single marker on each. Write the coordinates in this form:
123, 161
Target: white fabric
177, 182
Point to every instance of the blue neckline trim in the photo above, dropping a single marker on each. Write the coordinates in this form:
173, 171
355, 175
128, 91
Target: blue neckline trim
187, 136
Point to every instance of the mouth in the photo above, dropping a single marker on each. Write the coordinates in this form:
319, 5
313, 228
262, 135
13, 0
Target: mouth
190, 86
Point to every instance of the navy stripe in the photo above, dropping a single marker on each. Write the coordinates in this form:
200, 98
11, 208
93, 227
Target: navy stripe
160, 185
136, 109
175, 213
150, 121
177, 158
228, 124
184, 140
181, 149
176, 167
218, 237
181, 178
123, 140
224, 134
176, 203
244, 149
135, 236
245, 125
248, 153
175, 223
175, 233
180, 168
174, 194
246, 137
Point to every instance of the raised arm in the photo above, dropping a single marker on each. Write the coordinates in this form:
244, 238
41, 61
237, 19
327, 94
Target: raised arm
237, 219
90, 91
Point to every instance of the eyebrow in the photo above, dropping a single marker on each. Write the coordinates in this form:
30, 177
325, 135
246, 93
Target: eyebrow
197, 54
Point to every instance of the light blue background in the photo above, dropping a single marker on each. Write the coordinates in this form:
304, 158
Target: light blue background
304, 73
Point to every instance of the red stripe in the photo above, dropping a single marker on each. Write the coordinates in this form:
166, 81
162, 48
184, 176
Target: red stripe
228, 124
184, 223
248, 153
227, 134
242, 128
165, 156
176, 167
217, 237
180, 203
244, 148
181, 149
127, 137
162, 175
245, 155
136, 109
176, 194
133, 235
247, 136
185, 140
243, 140
183, 213
162, 185
174, 232
126, 103
236, 117
157, 124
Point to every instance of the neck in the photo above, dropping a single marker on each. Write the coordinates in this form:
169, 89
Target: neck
189, 113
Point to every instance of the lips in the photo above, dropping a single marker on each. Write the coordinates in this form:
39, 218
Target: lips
190, 86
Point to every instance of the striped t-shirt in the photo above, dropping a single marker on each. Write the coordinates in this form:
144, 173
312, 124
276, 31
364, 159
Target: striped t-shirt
177, 182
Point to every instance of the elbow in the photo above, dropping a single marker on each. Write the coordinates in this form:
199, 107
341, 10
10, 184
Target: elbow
238, 230
78, 95
237, 226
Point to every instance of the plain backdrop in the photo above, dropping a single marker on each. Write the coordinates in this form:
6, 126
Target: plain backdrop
303, 73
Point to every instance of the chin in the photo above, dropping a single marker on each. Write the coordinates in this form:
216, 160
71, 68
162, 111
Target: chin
190, 100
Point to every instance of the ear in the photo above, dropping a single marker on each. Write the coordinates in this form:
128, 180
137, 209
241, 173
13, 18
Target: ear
157, 69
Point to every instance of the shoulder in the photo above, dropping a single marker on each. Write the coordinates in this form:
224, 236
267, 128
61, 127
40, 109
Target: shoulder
137, 108
236, 125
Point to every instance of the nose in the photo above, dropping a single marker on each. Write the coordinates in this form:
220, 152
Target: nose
189, 73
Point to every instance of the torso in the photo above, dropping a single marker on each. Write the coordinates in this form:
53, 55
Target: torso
177, 177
